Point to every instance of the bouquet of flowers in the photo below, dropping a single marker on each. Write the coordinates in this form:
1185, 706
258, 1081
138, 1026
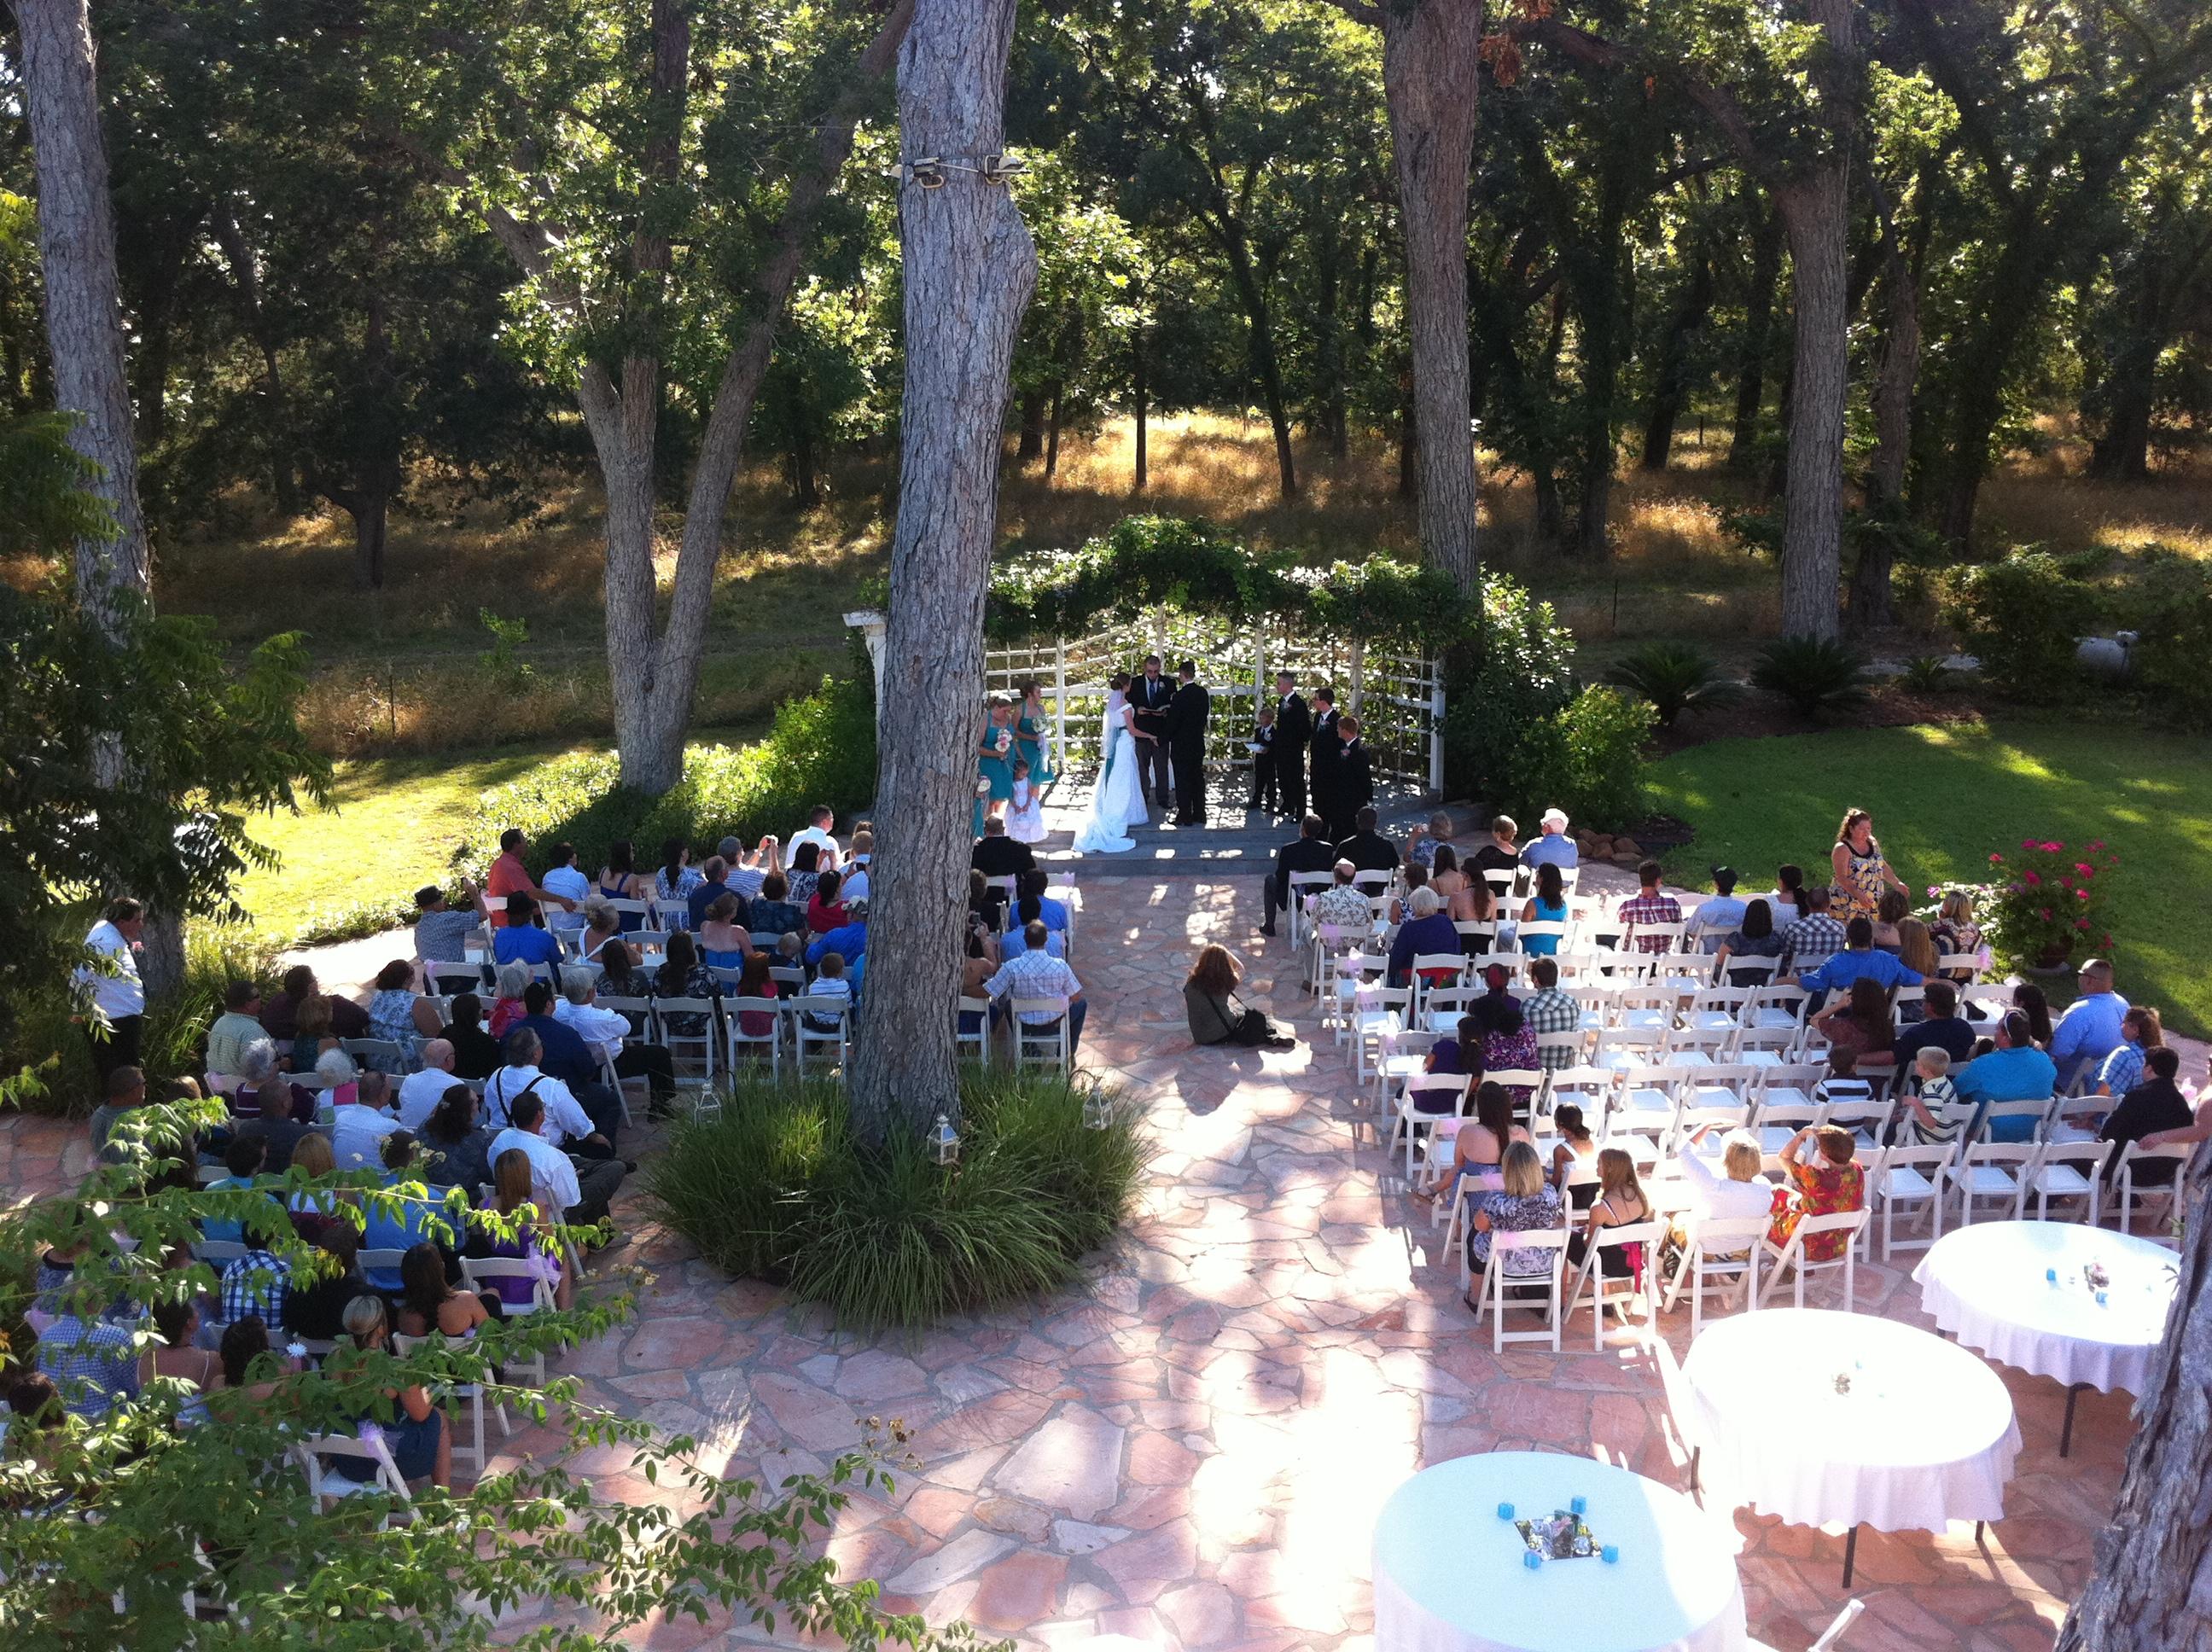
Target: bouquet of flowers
2044, 904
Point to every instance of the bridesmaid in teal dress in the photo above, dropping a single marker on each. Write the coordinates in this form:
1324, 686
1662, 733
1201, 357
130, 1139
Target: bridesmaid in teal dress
994, 755
1029, 732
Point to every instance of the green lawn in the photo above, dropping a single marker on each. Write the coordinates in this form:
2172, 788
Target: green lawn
1944, 799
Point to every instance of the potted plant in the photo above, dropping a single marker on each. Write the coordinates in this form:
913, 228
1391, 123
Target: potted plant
2044, 903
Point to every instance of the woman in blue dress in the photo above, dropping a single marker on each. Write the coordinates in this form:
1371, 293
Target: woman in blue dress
1029, 726
994, 755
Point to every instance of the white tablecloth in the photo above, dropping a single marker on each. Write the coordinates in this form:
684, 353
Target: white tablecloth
1449, 1575
1986, 1285
1925, 1435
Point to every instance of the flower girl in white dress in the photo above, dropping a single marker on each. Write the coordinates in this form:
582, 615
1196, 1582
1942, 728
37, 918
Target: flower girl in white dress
1025, 808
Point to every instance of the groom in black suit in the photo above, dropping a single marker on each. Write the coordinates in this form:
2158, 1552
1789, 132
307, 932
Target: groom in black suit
1187, 719
1293, 730
1150, 696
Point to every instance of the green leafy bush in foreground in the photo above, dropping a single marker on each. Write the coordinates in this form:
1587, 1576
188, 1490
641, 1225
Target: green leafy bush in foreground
775, 1187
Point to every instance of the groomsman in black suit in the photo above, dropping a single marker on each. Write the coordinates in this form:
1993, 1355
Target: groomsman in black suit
1293, 732
1150, 696
1326, 748
1187, 719
1352, 789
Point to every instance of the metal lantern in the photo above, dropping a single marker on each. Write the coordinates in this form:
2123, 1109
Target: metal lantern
1097, 1110
945, 1142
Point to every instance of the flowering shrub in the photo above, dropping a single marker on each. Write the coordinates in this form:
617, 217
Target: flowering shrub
2044, 904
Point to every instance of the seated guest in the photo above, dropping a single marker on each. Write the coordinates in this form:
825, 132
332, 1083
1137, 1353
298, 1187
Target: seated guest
507, 1008
1553, 847
821, 822
508, 877
682, 974
357, 1136
1526, 1204
455, 1146
977, 966
1955, 930
724, 941
1310, 851
91, 1359
238, 1025
442, 930
1035, 974
417, 1218
805, 874
1501, 852
516, 1195
677, 877
1826, 1185
850, 941
577, 1190
1546, 904
2149, 1110
243, 1160
254, 1285
1480, 1144
1648, 908
855, 886
565, 1060
1344, 905
835, 991
746, 871
1509, 1042
314, 1208
1447, 879
1861, 1023
2091, 1028
1810, 939
279, 1015
1424, 841
620, 978
397, 1012
1753, 938
775, 913
2016, 1070
1620, 1204
1552, 1010
1367, 848
475, 1050
826, 911
1035, 901
1215, 1013
1858, 961
602, 943
1915, 951
997, 855
521, 941
1735, 1193
249, 1363
620, 880
428, 1303
756, 982
272, 1107
178, 1355
1790, 898
1577, 1150
1891, 910
1841, 1085
2028, 998
315, 1304
607, 1032
1940, 1028
1428, 930
1454, 1054
1014, 942
422, 1090
311, 1034
709, 890
1719, 915
2141, 1032
125, 1093
412, 1427
1932, 1115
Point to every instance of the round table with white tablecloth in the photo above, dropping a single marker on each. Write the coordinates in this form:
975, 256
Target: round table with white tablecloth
1823, 1418
1450, 1575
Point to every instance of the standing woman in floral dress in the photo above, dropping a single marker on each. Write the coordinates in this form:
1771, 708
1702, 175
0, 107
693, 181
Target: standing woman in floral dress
1861, 873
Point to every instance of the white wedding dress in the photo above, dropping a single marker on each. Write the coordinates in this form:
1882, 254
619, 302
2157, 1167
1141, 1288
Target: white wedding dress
1117, 801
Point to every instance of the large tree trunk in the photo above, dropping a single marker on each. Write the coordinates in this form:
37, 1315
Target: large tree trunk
1136, 398
84, 320
1897, 369
2153, 1586
1751, 363
1431, 76
968, 270
1267, 365
1671, 383
245, 285
1030, 445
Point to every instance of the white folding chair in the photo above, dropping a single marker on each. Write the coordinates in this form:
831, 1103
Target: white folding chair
1716, 1252
322, 1485
1376, 1011
1791, 1257
1992, 1171
1470, 1189
1498, 1288
1867, 1119
704, 1040
1040, 1046
2133, 1189
469, 1396
1452, 966
1411, 1123
1830, 1636
484, 1273
1623, 1288
835, 1041
1302, 886
739, 1040
980, 1039
1911, 1175
2070, 1170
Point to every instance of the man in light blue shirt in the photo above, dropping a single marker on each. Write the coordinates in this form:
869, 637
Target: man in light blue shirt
1553, 847
2014, 1071
2090, 1030
1855, 962
1719, 914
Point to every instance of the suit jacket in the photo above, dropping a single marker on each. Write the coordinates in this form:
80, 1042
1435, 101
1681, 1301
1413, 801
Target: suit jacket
1150, 700
1293, 723
1301, 853
1326, 748
566, 1057
1001, 857
1368, 851
1187, 719
1353, 788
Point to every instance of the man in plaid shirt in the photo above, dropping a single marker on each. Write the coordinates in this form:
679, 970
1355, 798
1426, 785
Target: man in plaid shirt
1648, 906
1552, 1010
1810, 941
256, 1285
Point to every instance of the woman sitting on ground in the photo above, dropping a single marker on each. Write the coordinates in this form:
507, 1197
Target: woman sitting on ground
1526, 1204
1753, 938
1546, 904
826, 911
416, 1433
599, 943
429, 1300
1216, 1014
775, 913
1577, 1150
511, 1191
724, 941
455, 1146
511, 981
1620, 1204
1863, 1024
1826, 1185
476, 1052
399, 1012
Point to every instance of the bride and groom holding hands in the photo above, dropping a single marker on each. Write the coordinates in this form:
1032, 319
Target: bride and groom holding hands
1152, 726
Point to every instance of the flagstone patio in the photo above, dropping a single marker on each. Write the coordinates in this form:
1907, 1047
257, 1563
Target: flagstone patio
1191, 1450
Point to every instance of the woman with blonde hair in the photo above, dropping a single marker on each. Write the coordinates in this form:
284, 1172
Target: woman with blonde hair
1620, 1203
1955, 930
1526, 1204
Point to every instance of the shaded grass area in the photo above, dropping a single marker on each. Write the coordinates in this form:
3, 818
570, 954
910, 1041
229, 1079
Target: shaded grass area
1945, 798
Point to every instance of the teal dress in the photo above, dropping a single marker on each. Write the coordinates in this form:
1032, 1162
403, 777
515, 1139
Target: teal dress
1545, 946
1029, 746
997, 770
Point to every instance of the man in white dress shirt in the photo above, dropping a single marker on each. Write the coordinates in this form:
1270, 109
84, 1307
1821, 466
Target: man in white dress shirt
357, 1137
565, 1122
579, 1192
421, 1092
604, 1030
820, 831
114, 989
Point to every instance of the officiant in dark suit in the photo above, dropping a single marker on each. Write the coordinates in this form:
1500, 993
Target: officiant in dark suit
1293, 730
1188, 715
1149, 696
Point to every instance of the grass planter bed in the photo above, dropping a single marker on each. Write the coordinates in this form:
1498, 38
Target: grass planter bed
776, 1186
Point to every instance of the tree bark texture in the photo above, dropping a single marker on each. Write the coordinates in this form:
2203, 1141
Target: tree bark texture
1137, 398
1897, 369
1813, 217
969, 269
2153, 1585
1430, 77
84, 317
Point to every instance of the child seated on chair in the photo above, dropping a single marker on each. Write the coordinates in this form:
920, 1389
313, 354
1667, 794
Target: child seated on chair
830, 982
1828, 1186
1843, 1087
1933, 1114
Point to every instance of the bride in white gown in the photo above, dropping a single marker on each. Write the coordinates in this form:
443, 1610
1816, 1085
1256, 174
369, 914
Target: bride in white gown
1117, 801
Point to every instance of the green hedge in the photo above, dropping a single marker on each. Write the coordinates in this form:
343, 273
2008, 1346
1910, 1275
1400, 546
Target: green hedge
775, 1187
1586, 758
2021, 618
821, 749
